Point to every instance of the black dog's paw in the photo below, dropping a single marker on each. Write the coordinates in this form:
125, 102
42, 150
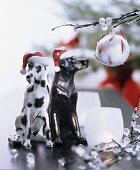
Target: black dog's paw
14, 141
27, 145
49, 144
81, 140
58, 142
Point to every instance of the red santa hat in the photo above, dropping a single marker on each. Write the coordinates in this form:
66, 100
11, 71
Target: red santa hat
58, 54
36, 57
56, 57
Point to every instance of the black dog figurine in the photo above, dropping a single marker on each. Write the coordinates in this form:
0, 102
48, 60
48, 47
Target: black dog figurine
63, 100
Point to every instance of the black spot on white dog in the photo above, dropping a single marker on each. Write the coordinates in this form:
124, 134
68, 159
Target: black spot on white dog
30, 65
30, 89
45, 124
29, 133
42, 83
35, 133
29, 105
23, 109
24, 120
39, 102
18, 128
38, 69
37, 81
48, 89
48, 132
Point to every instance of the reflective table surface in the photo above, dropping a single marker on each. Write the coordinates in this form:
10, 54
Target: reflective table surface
47, 159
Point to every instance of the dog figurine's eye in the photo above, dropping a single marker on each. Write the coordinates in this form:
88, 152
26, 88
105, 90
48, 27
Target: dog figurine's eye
38, 69
30, 65
73, 59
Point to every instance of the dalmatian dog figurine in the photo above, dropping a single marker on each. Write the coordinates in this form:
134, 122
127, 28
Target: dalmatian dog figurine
62, 113
33, 115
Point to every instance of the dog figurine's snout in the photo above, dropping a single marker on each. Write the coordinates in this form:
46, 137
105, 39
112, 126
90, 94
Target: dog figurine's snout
29, 76
86, 62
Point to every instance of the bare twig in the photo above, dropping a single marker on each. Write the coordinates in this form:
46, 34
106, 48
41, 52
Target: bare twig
124, 18
116, 142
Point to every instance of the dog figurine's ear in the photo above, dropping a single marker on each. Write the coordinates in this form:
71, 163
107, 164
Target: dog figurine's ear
63, 63
66, 64
44, 77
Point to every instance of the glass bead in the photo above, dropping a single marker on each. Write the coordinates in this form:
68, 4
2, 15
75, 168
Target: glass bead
129, 148
104, 27
80, 150
138, 12
108, 20
133, 123
119, 158
94, 154
138, 137
91, 165
138, 145
128, 158
102, 21
62, 161
82, 167
125, 142
116, 150
138, 155
126, 132
134, 116
136, 128
134, 152
30, 158
14, 153
87, 157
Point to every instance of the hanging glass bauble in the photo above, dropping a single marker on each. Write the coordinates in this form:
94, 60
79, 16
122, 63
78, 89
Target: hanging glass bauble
112, 50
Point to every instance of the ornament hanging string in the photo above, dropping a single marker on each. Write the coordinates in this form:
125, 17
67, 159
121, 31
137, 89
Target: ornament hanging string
134, 15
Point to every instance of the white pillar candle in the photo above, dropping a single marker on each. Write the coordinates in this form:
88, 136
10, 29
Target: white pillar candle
103, 124
86, 100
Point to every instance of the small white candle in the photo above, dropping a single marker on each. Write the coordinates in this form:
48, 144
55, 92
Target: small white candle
86, 100
103, 124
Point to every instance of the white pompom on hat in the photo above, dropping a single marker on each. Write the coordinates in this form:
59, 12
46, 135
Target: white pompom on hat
36, 57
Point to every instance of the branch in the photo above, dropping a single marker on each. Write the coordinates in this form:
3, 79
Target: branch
134, 15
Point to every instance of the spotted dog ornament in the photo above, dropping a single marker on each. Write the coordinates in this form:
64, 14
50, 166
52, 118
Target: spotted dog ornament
32, 119
112, 50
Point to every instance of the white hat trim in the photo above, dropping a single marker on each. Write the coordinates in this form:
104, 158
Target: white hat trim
39, 59
60, 48
67, 54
